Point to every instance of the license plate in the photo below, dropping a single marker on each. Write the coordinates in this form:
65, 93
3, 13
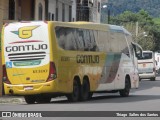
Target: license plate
28, 88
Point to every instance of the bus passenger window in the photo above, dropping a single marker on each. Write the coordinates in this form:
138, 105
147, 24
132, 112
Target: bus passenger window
60, 34
70, 43
80, 39
87, 41
94, 46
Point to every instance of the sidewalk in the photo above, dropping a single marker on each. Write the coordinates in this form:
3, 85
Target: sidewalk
11, 99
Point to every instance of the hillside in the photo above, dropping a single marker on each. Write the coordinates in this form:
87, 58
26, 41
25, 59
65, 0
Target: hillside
119, 6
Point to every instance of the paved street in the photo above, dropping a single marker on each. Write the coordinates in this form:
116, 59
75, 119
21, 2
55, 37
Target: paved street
146, 98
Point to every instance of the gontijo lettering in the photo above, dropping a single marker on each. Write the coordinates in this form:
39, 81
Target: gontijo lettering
87, 59
26, 48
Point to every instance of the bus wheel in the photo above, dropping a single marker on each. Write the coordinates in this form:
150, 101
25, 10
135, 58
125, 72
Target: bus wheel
30, 99
90, 95
126, 90
153, 79
75, 95
85, 90
42, 99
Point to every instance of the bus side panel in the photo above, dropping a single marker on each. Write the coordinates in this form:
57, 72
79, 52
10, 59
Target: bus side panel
69, 68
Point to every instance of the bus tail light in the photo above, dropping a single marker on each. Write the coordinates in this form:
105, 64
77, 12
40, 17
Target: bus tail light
52, 72
5, 77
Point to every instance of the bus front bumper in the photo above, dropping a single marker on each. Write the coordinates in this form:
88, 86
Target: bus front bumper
147, 75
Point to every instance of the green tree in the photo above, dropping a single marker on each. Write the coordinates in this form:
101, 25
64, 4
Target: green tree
128, 19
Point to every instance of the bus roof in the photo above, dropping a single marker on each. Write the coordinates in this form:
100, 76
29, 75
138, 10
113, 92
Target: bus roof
91, 25
84, 25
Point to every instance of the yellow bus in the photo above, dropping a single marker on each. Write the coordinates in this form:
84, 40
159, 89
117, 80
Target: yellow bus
45, 59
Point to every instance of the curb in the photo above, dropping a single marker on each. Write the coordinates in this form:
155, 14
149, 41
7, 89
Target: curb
11, 99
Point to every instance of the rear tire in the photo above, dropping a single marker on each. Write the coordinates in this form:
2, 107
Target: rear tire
43, 99
85, 90
30, 99
126, 90
75, 95
90, 95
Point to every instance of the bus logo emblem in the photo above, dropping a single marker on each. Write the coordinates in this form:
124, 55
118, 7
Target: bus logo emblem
25, 32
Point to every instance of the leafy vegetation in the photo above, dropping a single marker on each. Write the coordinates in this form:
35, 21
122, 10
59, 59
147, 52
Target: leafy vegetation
157, 20
119, 6
145, 23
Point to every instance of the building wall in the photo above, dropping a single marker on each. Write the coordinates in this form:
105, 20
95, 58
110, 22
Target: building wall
4, 5
74, 6
89, 10
37, 2
23, 10
26, 10
95, 11
1, 12
60, 10
52, 9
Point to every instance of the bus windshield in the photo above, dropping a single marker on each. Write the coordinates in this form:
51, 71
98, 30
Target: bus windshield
146, 55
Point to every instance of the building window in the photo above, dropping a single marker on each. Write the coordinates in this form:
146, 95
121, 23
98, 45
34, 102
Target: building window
70, 13
63, 12
56, 14
52, 16
56, 10
40, 11
49, 16
11, 9
99, 6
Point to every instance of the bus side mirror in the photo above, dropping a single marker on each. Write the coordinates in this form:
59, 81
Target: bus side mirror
138, 50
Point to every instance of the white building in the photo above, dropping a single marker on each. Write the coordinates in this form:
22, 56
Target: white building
68, 10
95, 11
89, 10
56, 10
60, 10
40, 10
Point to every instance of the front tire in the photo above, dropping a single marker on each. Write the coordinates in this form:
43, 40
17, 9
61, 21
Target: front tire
30, 99
126, 90
153, 79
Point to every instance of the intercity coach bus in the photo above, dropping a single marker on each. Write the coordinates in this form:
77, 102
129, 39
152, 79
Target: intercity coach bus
42, 60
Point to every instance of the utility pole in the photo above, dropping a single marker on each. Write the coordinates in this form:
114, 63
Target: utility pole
136, 28
1, 74
108, 15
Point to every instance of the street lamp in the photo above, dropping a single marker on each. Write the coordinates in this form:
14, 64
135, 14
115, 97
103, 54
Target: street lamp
104, 6
108, 12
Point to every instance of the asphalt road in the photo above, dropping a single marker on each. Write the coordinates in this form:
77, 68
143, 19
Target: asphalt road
146, 98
